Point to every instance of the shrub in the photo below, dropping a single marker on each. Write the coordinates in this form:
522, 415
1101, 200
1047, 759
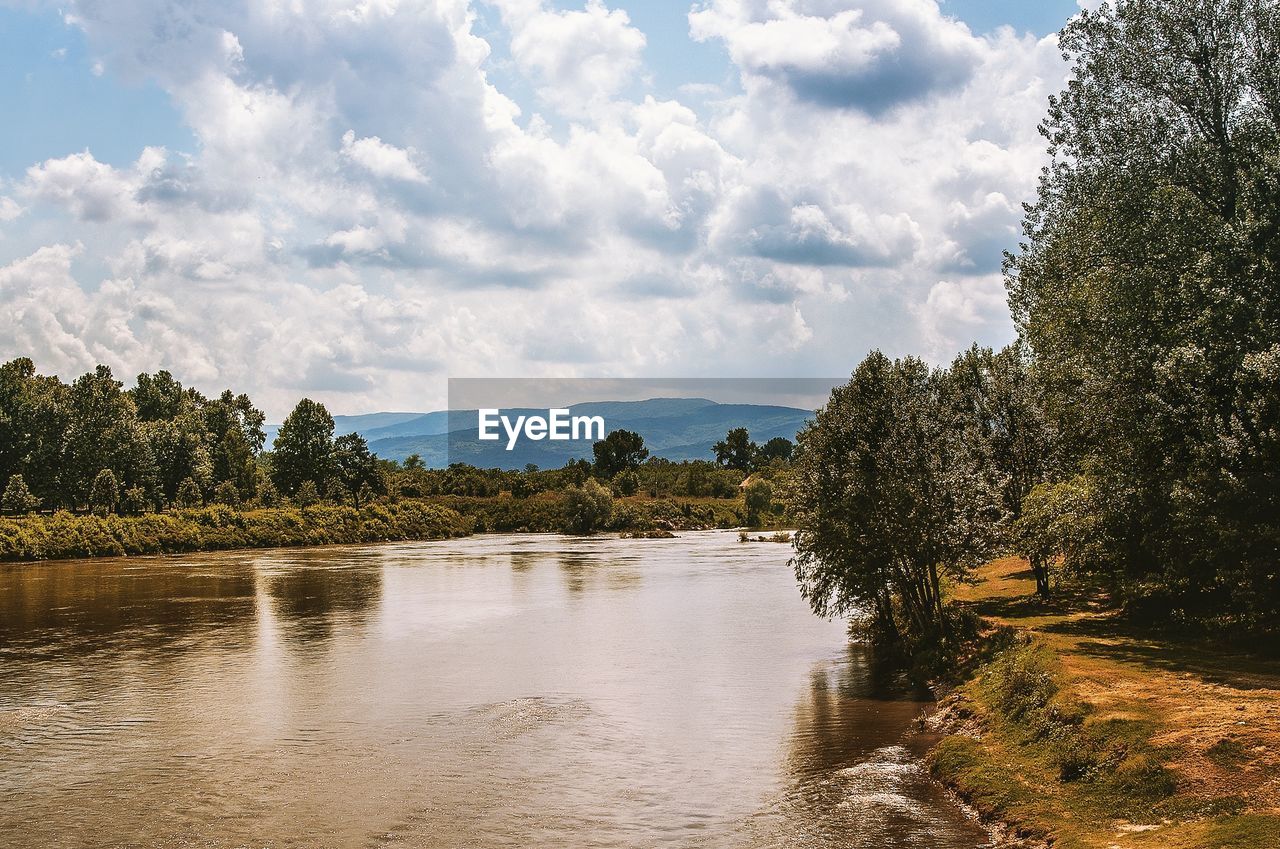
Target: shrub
587, 508
218, 526
759, 498
626, 482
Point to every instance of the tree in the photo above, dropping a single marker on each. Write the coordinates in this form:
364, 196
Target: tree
304, 447
104, 496
617, 452
268, 495
33, 427
1145, 286
134, 502
736, 450
101, 434
1058, 520
226, 493
587, 507
758, 498
889, 501
189, 496
626, 482
17, 498
307, 494
779, 448
357, 468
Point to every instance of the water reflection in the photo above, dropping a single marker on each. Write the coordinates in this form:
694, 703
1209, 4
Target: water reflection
496, 691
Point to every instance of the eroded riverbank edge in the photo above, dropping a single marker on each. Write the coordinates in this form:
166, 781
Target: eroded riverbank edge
1074, 731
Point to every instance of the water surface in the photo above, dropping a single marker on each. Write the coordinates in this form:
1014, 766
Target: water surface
489, 692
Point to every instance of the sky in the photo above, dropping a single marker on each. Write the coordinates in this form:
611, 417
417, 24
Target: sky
354, 200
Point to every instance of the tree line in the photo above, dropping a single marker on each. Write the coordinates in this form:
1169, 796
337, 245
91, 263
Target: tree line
96, 445
1130, 439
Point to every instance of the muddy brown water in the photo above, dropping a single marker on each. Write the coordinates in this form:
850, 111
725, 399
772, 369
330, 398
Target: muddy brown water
523, 690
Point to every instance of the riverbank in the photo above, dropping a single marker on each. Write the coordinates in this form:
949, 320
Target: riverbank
64, 536
1078, 731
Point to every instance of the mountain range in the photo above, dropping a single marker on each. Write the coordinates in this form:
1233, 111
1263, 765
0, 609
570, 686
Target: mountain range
674, 428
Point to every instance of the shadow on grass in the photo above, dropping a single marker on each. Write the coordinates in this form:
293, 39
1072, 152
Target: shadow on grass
1111, 637
1020, 607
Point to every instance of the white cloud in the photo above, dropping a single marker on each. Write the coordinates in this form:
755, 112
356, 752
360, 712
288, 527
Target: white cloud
873, 55
368, 210
9, 209
578, 58
381, 159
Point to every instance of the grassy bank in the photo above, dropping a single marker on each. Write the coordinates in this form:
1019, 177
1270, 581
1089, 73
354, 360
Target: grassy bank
64, 535
1080, 731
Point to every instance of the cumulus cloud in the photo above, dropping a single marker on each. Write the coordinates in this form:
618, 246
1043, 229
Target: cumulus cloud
86, 187
381, 159
578, 58
369, 209
873, 55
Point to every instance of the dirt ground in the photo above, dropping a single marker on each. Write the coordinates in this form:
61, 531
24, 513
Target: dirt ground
1217, 713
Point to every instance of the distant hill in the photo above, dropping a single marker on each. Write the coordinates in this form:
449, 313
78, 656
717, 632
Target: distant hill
674, 428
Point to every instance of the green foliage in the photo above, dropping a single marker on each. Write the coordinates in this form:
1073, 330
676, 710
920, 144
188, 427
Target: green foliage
759, 499
268, 495
620, 451
307, 494
303, 449
227, 494
1146, 289
17, 498
778, 449
134, 501
893, 493
151, 437
357, 468
65, 535
104, 495
736, 450
587, 508
626, 482
1060, 520
189, 495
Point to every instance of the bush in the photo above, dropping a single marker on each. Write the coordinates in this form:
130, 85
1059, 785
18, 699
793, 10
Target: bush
759, 498
626, 482
587, 508
218, 526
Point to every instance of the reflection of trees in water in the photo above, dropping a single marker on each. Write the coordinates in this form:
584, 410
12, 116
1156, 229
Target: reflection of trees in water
849, 784
85, 606
308, 591
851, 708
588, 570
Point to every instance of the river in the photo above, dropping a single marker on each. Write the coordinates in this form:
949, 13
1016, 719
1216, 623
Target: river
495, 691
